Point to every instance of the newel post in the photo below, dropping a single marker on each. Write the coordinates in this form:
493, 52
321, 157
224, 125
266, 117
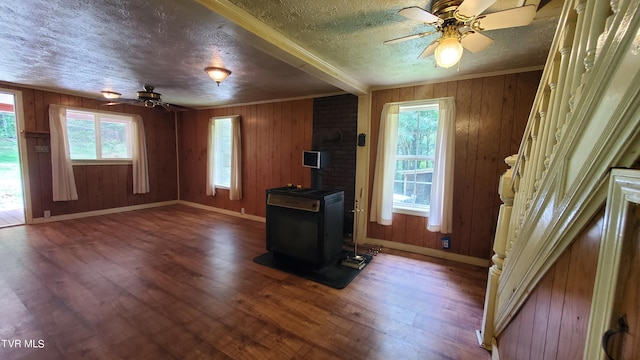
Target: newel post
485, 334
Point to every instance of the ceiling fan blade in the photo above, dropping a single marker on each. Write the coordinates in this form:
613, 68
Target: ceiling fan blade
120, 101
515, 17
409, 37
170, 107
471, 8
475, 41
417, 13
173, 107
430, 49
161, 107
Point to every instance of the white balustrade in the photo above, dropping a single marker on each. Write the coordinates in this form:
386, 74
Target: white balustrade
585, 27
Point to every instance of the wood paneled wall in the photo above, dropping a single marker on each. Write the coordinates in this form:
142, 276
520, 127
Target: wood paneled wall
552, 324
491, 114
273, 138
99, 186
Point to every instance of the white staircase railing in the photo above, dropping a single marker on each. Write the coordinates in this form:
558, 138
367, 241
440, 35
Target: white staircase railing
584, 121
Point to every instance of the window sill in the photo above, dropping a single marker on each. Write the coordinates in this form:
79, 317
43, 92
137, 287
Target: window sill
102, 162
406, 210
222, 187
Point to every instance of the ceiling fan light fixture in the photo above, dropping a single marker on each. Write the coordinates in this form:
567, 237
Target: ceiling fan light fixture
217, 74
110, 94
449, 51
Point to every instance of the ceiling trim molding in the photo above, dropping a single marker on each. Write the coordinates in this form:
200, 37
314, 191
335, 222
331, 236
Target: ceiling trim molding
460, 78
275, 44
259, 102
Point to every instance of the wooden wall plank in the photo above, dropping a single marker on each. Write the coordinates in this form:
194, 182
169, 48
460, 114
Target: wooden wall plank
250, 142
297, 132
286, 144
462, 179
523, 350
423, 92
415, 230
483, 226
580, 282
471, 172
262, 123
399, 230
541, 317
552, 323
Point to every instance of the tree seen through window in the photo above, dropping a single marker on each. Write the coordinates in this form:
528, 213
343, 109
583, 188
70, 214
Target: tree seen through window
417, 133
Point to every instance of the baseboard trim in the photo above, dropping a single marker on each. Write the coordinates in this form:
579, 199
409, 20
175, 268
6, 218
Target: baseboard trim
85, 214
431, 252
222, 211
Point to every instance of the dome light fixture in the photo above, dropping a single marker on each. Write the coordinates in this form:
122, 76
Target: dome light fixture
110, 94
449, 51
218, 74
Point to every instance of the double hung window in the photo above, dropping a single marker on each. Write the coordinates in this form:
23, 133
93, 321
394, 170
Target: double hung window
99, 136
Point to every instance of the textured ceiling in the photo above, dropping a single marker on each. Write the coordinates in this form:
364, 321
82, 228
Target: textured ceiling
83, 47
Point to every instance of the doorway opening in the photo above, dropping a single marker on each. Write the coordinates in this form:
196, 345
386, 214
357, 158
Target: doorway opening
12, 211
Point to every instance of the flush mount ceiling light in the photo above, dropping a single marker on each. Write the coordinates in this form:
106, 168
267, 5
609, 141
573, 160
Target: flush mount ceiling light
449, 51
110, 94
218, 74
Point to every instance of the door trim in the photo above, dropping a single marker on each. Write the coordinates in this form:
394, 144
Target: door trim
624, 189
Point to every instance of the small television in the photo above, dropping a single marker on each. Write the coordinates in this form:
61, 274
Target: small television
314, 159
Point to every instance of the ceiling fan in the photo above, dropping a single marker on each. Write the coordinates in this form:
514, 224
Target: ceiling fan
459, 23
147, 98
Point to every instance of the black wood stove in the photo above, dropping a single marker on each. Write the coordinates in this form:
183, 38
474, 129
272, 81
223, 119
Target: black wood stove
305, 225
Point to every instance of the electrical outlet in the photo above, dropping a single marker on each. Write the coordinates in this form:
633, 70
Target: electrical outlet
446, 242
242, 211
47, 213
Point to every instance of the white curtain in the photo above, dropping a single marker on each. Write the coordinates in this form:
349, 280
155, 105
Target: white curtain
235, 188
441, 209
382, 197
211, 158
64, 184
139, 155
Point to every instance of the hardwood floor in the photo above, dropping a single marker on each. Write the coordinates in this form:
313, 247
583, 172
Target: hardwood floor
178, 282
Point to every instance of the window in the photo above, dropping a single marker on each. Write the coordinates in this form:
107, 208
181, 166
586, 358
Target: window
224, 156
221, 135
414, 163
98, 136
415, 156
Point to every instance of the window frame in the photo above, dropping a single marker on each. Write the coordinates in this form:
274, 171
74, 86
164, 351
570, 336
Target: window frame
417, 105
99, 117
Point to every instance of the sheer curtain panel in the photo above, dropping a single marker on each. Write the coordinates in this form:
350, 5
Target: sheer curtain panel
441, 209
382, 197
64, 184
211, 158
139, 157
235, 188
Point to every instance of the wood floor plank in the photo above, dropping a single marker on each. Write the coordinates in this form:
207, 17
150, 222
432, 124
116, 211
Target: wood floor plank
178, 283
